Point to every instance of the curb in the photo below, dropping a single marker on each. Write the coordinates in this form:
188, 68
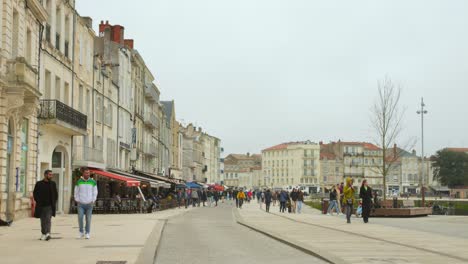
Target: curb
149, 252
323, 255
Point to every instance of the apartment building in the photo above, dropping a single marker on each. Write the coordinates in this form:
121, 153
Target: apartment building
238, 169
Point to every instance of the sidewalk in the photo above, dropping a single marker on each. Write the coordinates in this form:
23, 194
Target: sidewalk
338, 242
129, 237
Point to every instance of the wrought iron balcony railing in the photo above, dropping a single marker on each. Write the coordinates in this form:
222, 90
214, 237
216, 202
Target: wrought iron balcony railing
54, 109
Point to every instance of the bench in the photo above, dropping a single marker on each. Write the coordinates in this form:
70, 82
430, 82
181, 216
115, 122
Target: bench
408, 203
386, 204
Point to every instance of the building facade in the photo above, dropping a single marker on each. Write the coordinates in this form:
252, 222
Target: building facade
20, 31
292, 164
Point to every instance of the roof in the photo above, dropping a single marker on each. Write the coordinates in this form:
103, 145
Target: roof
168, 105
286, 144
370, 146
327, 155
457, 149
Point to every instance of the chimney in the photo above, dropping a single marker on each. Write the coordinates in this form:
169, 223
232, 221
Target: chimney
321, 143
414, 152
88, 21
248, 154
395, 151
129, 43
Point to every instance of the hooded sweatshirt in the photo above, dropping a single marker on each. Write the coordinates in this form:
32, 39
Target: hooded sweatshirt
348, 190
86, 191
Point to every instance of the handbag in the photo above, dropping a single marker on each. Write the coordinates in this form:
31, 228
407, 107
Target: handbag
349, 201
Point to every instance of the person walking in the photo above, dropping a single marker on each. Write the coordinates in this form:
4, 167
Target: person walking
300, 201
216, 197
294, 194
188, 197
339, 198
241, 197
194, 197
274, 197
283, 198
268, 197
45, 194
365, 193
333, 202
348, 199
85, 195
235, 193
180, 197
204, 197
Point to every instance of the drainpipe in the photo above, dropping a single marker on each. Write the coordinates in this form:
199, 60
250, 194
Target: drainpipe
41, 32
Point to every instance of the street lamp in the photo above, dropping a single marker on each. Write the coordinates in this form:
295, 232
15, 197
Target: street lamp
422, 112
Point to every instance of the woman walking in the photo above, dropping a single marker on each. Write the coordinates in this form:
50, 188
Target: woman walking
274, 197
267, 200
365, 193
348, 199
333, 202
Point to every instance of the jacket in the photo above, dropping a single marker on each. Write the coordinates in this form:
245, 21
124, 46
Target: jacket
86, 191
348, 191
283, 197
42, 191
333, 195
365, 195
294, 196
268, 197
241, 195
300, 196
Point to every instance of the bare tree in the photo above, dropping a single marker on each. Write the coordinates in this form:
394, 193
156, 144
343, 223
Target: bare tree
386, 119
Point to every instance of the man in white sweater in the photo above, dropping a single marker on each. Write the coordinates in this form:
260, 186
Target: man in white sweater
85, 195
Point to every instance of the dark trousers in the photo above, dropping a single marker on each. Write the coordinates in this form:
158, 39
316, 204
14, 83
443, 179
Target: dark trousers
3, 223
237, 202
46, 216
267, 207
366, 209
349, 211
241, 201
282, 207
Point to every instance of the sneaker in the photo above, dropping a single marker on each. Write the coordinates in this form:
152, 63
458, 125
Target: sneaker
48, 237
81, 235
328, 214
43, 237
87, 236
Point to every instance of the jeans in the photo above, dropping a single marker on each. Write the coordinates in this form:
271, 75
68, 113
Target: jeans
349, 211
85, 209
282, 206
46, 216
267, 207
241, 201
293, 206
333, 205
299, 207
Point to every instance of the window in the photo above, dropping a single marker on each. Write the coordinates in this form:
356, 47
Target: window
57, 88
29, 47
47, 86
24, 156
99, 109
80, 98
15, 43
58, 28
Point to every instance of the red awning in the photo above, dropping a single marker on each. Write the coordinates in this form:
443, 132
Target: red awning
130, 182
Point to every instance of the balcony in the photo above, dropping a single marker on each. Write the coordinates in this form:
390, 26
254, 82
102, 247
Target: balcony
150, 149
62, 117
151, 93
88, 157
151, 120
20, 73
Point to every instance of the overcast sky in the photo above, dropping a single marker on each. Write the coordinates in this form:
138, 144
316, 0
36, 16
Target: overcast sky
256, 73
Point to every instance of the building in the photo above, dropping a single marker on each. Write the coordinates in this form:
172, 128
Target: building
65, 100
192, 161
211, 154
238, 167
20, 31
176, 137
292, 164
164, 140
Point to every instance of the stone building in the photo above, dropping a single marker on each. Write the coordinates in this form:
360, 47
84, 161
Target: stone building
20, 31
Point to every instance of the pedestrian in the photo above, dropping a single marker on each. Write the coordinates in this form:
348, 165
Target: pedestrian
294, 200
348, 199
240, 197
333, 202
339, 198
300, 201
188, 197
204, 197
283, 197
194, 197
180, 197
235, 193
274, 197
199, 192
365, 193
85, 195
45, 194
268, 197
216, 197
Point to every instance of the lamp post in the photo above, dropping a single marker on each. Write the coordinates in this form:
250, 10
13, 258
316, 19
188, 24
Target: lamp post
422, 112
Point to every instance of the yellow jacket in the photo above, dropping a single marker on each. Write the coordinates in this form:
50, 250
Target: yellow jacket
241, 195
348, 190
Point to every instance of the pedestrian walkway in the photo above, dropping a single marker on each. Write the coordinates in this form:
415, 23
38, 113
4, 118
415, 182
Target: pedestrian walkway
124, 237
338, 242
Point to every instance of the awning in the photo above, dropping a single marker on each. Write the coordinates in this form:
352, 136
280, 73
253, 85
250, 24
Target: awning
154, 183
441, 188
193, 185
129, 181
160, 178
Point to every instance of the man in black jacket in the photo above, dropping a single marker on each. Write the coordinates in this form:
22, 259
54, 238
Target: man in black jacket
45, 195
294, 196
